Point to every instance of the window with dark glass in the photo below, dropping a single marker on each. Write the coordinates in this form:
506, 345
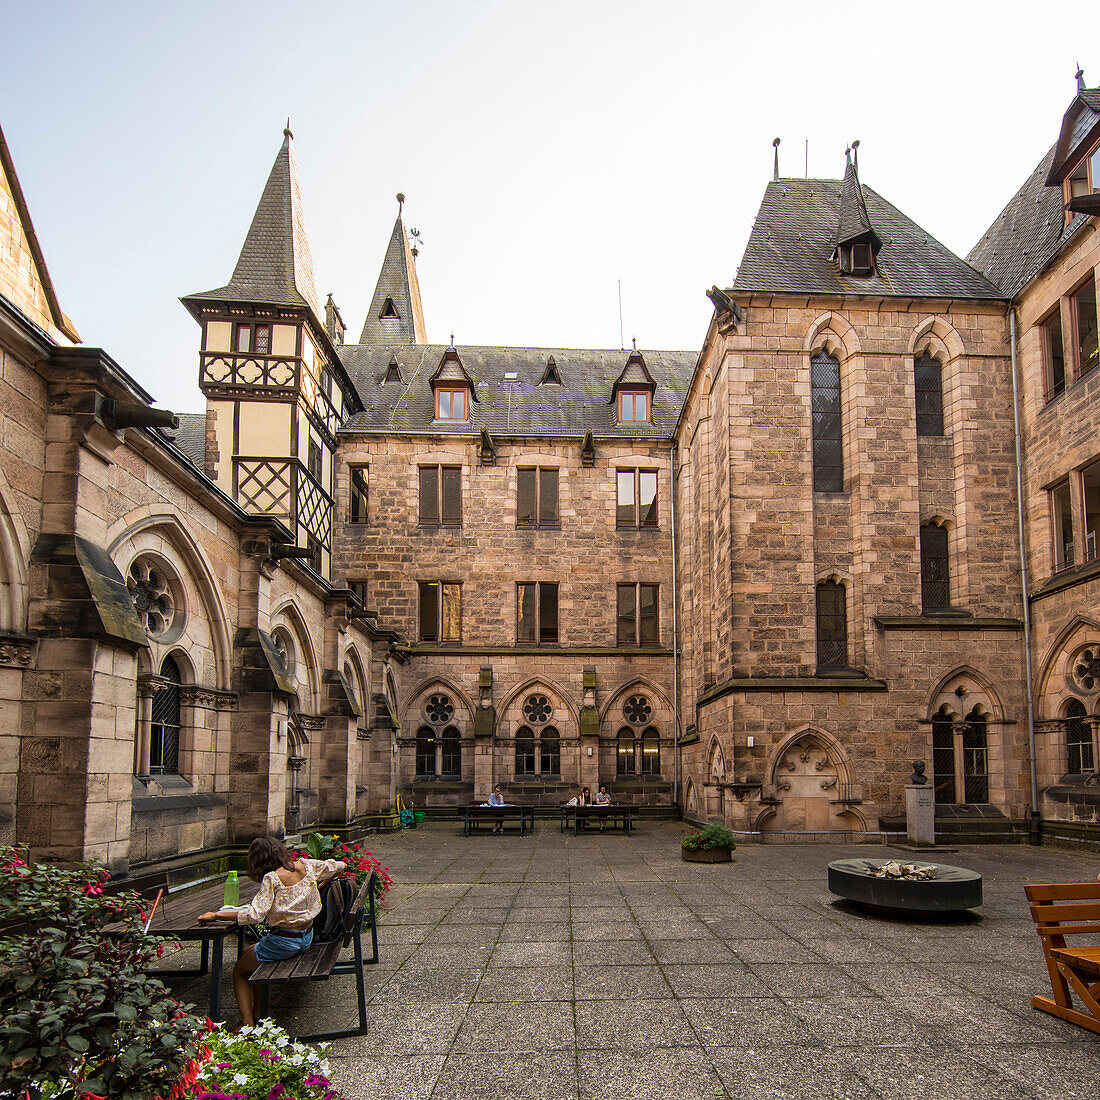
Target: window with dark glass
450, 757
636, 496
1079, 755
1084, 312
651, 752
943, 757
357, 494
537, 497
313, 459
1054, 356
637, 614
536, 613
261, 340
828, 450
164, 742
549, 752
1062, 521
832, 626
928, 376
440, 496
935, 580
975, 753
525, 751
624, 756
451, 403
1090, 493
425, 751
440, 611
633, 405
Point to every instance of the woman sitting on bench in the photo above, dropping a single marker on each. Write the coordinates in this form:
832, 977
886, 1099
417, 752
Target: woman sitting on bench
287, 901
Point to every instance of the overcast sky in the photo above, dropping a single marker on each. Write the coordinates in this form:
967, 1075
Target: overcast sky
547, 150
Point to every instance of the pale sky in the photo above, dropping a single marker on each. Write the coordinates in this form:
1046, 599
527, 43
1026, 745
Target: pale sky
546, 150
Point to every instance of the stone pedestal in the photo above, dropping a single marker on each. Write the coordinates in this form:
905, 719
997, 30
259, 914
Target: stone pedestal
920, 815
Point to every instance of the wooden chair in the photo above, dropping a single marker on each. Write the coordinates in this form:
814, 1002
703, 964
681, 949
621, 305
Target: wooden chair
1069, 909
321, 960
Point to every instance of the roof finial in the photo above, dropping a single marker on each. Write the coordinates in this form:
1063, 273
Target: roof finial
452, 339
287, 132
400, 203
848, 156
634, 341
775, 168
855, 153
1080, 77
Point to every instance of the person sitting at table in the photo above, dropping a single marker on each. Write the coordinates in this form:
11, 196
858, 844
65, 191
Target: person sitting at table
582, 799
496, 798
287, 902
602, 799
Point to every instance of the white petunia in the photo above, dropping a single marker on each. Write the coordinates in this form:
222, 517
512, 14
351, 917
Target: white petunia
295, 1060
240, 1079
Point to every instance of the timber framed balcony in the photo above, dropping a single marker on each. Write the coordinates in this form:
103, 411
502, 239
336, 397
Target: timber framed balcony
225, 373
284, 488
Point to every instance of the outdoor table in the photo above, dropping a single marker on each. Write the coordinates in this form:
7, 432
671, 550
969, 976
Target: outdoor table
177, 918
588, 813
477, 814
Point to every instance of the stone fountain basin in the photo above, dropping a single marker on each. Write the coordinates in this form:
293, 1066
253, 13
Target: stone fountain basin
953, 888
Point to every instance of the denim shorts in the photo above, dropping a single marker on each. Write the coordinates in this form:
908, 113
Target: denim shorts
283, 945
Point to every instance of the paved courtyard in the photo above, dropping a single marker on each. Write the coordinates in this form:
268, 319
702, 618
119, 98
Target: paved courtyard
604, 968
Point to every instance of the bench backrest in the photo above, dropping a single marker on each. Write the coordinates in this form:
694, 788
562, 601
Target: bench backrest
354, 915
145, 885
1065, 909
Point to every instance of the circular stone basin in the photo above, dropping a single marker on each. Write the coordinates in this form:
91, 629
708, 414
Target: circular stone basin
952, 889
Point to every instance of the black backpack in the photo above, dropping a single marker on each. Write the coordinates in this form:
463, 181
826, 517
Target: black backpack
337, 897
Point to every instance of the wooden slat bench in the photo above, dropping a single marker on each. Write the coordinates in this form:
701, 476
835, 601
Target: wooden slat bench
480, 815
321, 960
599, 815
1069, 909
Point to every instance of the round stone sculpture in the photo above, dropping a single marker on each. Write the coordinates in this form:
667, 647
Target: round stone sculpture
953, 889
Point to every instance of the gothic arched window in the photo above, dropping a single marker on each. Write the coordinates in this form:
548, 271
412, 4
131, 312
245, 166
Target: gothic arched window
1079, 757
549, 752
625, 754
450, 763
928, 379
832, 626
651, 752
425, 752
164, 741
525, 751
828, 445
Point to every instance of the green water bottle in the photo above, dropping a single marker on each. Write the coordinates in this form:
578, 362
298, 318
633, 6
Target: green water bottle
232, 891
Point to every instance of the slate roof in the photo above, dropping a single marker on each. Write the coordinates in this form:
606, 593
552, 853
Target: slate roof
793, 238
190, 436
275, 266
522, 407
1027, 233
854, 221
396, 281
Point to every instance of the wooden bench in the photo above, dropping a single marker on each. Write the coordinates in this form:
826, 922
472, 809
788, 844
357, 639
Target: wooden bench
479, 814
1069, 909
321, 960
584, 815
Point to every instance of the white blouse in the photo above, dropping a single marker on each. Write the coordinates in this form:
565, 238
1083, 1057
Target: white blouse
290, 907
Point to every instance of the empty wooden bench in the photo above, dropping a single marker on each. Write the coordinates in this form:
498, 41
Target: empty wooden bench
1069, 909
321, 960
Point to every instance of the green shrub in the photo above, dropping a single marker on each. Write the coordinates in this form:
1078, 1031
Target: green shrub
78, 1014
710, 836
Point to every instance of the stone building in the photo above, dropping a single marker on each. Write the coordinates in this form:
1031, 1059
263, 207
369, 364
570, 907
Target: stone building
750, 583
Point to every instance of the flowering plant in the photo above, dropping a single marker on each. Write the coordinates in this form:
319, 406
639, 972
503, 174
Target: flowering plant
262, 1063
79, 1017
708, 838
360, 863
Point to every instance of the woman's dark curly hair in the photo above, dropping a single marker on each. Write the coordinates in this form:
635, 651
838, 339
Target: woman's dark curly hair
265, 854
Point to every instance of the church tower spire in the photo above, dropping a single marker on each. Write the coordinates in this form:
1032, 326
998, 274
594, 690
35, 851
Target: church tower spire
396, 315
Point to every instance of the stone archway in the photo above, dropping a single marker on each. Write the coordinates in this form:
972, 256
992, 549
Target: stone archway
810, 780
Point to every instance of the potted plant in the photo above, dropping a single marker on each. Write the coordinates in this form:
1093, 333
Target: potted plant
711, 844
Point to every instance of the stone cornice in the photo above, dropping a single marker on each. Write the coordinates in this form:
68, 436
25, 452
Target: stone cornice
208, 698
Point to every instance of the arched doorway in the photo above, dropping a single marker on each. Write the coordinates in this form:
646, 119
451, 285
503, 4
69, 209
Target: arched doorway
811, 784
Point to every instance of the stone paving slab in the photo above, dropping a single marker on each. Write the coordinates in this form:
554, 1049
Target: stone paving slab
550, 967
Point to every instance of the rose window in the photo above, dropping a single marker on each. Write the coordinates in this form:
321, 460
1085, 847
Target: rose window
148, 586
637, 710
1086, 668
537, 709
439, 709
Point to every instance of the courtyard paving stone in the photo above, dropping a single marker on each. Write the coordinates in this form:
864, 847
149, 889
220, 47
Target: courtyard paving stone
550, 967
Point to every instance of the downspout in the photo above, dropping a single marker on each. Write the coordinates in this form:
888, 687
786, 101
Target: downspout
675, 631
1033, 823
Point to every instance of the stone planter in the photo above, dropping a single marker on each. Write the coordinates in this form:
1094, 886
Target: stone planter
706, 855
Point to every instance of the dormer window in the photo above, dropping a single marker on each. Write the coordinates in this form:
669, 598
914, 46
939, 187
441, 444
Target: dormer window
1083, 180
856, 259
634, 406
393, 371
451, 403
389, 311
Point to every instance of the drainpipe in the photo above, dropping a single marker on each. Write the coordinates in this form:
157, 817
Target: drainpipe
675, 632
1033, 823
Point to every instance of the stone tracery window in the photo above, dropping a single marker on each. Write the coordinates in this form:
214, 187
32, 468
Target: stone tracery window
1086, 669
636, 710
150, 588
537, 709
439, 708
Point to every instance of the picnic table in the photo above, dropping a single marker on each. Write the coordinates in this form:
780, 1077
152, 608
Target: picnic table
478, 814
604, 814
177, 918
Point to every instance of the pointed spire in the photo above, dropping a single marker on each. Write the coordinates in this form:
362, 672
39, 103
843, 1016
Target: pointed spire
854, 221
275, 265
396, 315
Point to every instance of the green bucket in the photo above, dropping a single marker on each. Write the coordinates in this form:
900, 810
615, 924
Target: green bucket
418, 816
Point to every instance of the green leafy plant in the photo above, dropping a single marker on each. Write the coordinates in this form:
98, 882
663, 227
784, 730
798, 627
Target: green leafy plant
710, 836
318, 845
79, 1017
263, 1062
